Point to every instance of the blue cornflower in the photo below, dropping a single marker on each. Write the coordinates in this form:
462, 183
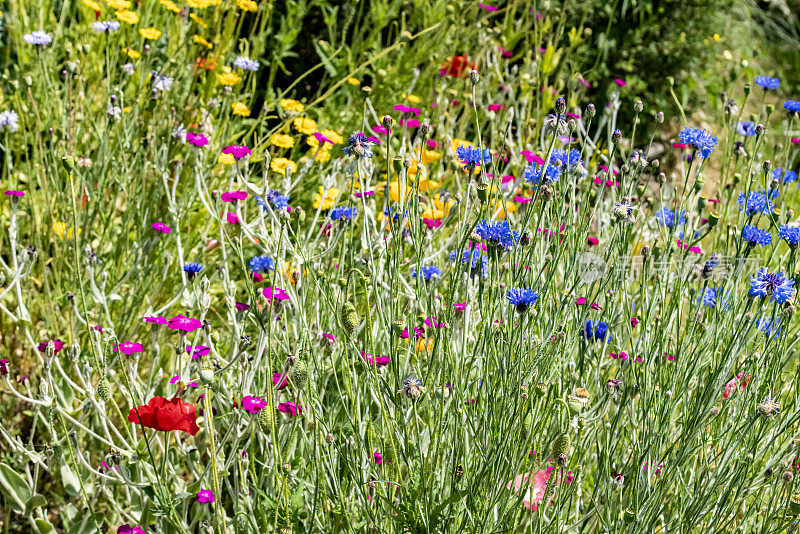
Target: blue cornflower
105, 26
700, 139
522, 299
713, 298
278, 201
261, 263
786, 176
343, 213
768, 326
773, 285
596, 331
668, 217
568, 158
755, 203
470, 156
9, 120
746, 128
38, 38
473, 261
533, 173
767, 83
792, 106
192, 269
790, 233
753, 235
497, 233
428, 273
358, 145
245, 63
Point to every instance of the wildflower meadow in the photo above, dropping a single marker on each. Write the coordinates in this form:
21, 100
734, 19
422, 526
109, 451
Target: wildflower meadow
395, 266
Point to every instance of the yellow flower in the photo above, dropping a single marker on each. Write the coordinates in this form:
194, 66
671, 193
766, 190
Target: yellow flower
226, 159
94, 6
504, 207
323, 155
428, 155
198, 20
413, 99
118, 5
170, 5
198, 4
126, 109
305, 125
247, 5
424, 344
131, 53
292, 105
228, 78
395, 190
199, 40
150, 33
325, 199
727, 55
353, 81
333, 136
128, 16
456, 143
60, 229
240, 109
282, 140
279, 165
426, 184
717, 38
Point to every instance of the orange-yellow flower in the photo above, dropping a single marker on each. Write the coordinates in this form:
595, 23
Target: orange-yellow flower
170, 5
127, 16
353, 81
280, 165
198, 20
305, 125
131, 53
228, 78
226, 159
150, 33
247, 5
322, 156
289, 104
282, 140
240, 109
198, 4
94, 6
199, 40
118, 5
438, 209
325, 199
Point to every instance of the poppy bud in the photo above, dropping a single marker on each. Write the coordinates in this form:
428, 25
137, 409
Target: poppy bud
561, 446
794, 504
561, 105
266, 417
300, 375
483, 192
207, 376
629, 516
590, 111
348, 316
526, 425
104, 389
638, 106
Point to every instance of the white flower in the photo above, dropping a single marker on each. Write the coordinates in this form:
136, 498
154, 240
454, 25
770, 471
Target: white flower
127, 68
9, 121
38, 38
162, 82
113, 111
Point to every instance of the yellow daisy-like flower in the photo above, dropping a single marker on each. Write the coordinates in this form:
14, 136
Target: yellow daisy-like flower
240, 109
131, 53
198, 20
118, 5
428, 156
333, 136
323, 155
325, 199
247, 5
426, 184
127, 16
353, 81
126, 109
504, 207
280, 165
198, 4
228, 78
289, 104
94, 6
305, 125
170, 5
150, 33
424, 345
199, 40
60, 229
282, 140
395, 189
226, 159
414, 99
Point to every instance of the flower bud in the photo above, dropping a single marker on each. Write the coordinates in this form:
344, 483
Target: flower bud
348, 316
474, 77
207, 376
104, 389
659, 117
638, 106
590, 111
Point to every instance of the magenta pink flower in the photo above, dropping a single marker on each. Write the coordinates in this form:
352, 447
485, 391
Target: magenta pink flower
378, 457
127, 529
275, 293
157, 319
592, 241
12, 193
57, 345
161, 227
530, 157
487, 7
231, 218
739, 383
205, 496
196, 139
241, 306
187, 324
278, 381
231, 196
197, 351
253, 404
380, 361
431, 223
431, 144
496, 107
620, 82
322, 139
290, 408
128, 348
238, 151
634, 321
328, 339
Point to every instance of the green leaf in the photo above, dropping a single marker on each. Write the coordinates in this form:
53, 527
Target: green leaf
15, 487
36, 501
70, 480
44, 526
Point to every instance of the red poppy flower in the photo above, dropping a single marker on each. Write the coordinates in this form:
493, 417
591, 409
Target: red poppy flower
167, 415
457, 66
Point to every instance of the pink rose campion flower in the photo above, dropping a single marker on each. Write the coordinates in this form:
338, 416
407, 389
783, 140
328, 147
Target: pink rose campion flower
187, 324
161, 227
275, 293
231, 196
253, 404
128, 348
197, 351
290, 408
238, 151
155, 319
278, 381
57, 345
